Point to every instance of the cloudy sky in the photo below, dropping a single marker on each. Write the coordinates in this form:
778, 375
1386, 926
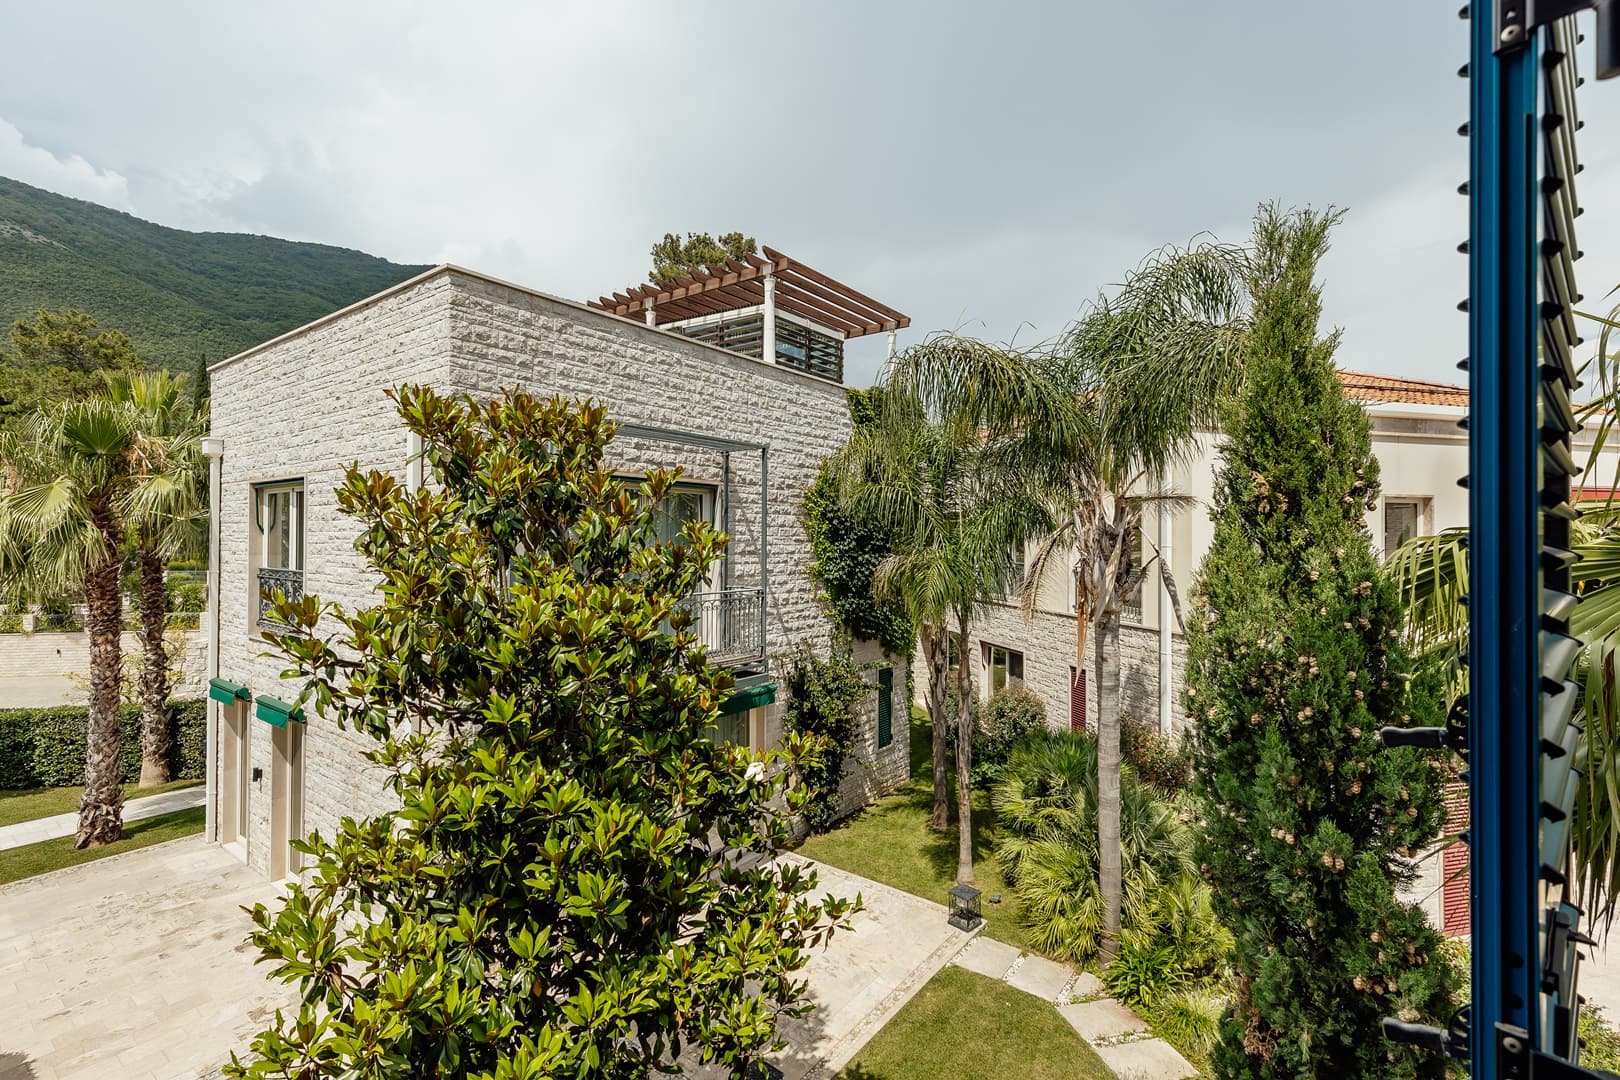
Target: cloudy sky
982, 167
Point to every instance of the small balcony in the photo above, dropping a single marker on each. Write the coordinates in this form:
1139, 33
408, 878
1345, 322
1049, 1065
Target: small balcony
730, 623
290, 582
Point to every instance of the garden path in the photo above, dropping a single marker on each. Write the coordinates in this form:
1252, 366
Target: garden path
1119, 1036
49, 828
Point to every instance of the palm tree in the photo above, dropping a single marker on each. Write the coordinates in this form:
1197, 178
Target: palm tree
935, 469
1148, 367
67, 474
168, 510
1432, 575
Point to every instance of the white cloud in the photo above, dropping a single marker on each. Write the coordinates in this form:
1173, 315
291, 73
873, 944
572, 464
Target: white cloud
67, 174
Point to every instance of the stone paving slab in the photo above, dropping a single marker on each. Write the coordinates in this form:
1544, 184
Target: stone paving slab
59, 825
1086, 986
988, 957
134, 967
1042, 977
1145, 1059
1104, 1018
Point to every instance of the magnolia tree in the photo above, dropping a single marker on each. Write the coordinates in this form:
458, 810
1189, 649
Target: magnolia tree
578, 881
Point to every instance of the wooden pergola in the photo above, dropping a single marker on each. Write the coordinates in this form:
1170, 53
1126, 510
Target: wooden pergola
772, 282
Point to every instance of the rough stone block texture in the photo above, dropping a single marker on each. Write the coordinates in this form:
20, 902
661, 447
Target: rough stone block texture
1048, 643
305, 405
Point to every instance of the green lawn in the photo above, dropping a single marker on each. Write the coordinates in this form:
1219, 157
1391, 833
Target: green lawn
968, 1027
23, 862
890, 841
30, 804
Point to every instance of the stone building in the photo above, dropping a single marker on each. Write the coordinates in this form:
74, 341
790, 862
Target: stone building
1421, 454
682, 367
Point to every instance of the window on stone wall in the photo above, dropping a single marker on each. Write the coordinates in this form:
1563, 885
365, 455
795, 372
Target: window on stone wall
278, 519
1003, 667
885, 707
1403, 519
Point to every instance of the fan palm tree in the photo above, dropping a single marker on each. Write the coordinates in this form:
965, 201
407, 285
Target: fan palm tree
936, 469
67, 474
1149, 367
167, 508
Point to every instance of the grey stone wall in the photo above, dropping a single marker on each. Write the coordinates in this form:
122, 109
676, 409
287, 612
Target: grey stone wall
306, 405
45, 655
1048, 644
303, 407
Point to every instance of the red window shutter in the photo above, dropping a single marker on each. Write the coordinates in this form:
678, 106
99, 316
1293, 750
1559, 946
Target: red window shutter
1077, 699
1454, 865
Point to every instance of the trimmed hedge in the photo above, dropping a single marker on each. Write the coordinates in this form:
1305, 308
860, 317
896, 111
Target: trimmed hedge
45, 747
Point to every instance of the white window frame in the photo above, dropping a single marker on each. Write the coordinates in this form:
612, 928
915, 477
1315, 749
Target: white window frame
297, 513
987, 656
1421, 524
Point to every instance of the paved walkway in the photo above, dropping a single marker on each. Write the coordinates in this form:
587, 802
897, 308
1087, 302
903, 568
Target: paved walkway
135, 967
38, 691
1119, 1036
49, 828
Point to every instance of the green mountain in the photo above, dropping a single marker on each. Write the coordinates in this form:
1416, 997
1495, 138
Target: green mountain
175, 293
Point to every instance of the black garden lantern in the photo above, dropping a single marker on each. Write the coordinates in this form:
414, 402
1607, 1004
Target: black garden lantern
964, 906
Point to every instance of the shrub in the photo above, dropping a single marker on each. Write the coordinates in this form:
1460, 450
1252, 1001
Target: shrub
46, 747
1144, 975
823, 696
1046, 799
1158, 759
578, 881
10, 622
1190, 1020
1000, 724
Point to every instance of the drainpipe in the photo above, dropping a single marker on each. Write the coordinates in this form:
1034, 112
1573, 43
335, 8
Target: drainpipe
1167, 673
214, 450
415, 467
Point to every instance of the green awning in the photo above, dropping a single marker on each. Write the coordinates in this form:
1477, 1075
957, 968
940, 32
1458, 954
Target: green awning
228, 693
751, 698
275, 712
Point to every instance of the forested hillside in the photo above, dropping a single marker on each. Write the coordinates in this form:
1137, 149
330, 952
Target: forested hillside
175, 293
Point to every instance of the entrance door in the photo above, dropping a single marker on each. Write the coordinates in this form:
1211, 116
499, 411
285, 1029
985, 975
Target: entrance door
234, 772
286, 798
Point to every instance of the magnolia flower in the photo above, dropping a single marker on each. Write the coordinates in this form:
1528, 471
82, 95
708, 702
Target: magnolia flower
755, 771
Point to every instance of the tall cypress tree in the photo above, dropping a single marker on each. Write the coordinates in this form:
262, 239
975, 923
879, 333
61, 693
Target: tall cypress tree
1295, 662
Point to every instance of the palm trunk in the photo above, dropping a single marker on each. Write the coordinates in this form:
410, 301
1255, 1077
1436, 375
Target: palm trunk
964, 764
936, 655
101, 813
154, 672
1109, 872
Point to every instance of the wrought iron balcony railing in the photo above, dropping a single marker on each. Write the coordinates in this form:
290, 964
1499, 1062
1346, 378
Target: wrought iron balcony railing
731, 623
290, 582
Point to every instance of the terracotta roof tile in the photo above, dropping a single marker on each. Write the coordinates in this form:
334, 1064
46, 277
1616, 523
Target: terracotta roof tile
1359, 386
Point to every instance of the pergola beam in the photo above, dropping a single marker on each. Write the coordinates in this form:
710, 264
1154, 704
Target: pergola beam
739, 283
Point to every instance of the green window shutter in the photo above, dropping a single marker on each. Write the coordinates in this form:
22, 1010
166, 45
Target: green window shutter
885, 707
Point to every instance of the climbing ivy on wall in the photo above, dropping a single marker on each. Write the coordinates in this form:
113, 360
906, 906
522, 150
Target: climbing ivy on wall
847, 552
823, 696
